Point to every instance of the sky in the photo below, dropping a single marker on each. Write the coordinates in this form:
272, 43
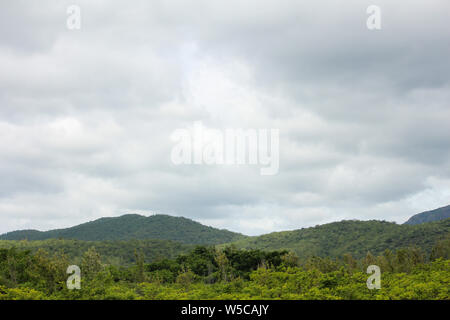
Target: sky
86, 115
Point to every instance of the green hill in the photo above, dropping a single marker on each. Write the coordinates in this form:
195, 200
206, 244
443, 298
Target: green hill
328, 240
131, 227
355, 237
428, 216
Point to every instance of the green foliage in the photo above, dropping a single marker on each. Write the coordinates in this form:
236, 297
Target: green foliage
112, 252
252, 274
441, 249
91, 263
38, 271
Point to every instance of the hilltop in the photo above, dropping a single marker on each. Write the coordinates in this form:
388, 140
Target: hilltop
134, 227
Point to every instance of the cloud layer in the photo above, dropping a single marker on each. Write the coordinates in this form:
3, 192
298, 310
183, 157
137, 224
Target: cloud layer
86, 115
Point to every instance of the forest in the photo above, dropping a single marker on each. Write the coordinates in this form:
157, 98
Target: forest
212, 272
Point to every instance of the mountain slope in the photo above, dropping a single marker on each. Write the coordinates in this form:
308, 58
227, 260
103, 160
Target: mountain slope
428, 216
355, 237
133, 226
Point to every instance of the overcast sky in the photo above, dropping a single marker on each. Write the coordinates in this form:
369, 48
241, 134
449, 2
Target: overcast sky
86, 115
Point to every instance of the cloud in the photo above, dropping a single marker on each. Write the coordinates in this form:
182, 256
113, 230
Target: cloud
86, 115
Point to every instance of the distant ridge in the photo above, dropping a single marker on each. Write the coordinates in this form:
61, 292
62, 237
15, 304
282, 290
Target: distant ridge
134, 227
351, 236
429, 216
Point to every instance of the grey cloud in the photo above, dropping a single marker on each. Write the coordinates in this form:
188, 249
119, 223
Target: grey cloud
86, 116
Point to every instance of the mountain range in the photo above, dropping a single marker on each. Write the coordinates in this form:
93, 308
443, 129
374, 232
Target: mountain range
155, 232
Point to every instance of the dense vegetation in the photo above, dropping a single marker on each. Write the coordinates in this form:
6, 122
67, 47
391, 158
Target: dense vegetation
323, 262
120, 253
132, 227
355, 237
429, 216
329, 240
209, 273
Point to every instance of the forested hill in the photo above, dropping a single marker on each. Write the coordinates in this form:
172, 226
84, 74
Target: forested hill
328, 240
428, 216
355, 237
133, 226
